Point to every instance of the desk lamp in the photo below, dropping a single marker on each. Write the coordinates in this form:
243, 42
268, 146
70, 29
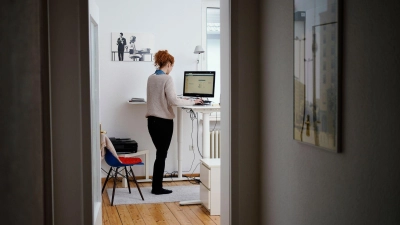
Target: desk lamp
198, 50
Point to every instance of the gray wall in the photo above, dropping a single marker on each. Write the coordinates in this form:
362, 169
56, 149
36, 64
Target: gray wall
45, 140
70, 108
305, 185
24, 118
245, 112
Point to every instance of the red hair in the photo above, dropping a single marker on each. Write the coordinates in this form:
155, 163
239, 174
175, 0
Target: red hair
162, 57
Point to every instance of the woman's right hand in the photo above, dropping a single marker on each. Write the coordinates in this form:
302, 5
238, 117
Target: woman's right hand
198, 101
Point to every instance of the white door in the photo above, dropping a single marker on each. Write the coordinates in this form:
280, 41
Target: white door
95, 124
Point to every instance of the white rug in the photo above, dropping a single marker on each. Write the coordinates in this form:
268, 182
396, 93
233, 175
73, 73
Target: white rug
179, 193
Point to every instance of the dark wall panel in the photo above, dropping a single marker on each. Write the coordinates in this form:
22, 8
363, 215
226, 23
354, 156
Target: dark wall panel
23, 71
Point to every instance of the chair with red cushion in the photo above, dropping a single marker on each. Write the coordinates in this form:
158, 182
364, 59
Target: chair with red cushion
116, 167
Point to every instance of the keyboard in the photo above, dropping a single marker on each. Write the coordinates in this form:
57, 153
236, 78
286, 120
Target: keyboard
205, 102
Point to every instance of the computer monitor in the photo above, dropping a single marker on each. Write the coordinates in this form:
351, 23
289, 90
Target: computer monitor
199, 84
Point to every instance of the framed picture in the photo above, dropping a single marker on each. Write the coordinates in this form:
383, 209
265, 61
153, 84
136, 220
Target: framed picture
132, 47
316, 73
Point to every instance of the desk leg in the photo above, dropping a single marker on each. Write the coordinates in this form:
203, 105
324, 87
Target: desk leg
206, 135
206, 150
179, 142
147, 166
124, 181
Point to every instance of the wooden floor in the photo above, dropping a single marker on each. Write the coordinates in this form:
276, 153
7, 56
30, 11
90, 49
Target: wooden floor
159, 213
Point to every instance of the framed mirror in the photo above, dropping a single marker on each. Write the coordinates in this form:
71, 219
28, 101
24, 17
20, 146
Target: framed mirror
316, 73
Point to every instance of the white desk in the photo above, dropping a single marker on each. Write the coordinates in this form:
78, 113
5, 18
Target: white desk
206, 111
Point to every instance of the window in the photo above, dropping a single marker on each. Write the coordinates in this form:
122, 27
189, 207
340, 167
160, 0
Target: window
211, 42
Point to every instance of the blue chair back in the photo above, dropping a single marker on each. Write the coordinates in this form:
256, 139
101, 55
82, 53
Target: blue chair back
111, 160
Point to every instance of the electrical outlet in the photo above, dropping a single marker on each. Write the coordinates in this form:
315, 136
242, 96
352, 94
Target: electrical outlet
190, 147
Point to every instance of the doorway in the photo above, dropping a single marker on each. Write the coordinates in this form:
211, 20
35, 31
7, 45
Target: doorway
124, 68
71, 92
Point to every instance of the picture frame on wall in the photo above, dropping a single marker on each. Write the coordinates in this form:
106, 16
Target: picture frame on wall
132, 47
316, 73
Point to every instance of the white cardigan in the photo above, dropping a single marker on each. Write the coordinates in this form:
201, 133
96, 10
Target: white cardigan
161, 96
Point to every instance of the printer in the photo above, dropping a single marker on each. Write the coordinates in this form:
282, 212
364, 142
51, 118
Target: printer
124, 145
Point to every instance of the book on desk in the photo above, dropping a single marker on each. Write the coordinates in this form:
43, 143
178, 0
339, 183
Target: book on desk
137, 100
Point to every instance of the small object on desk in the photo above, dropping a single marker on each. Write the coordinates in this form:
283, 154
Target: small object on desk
205, 102
136, 100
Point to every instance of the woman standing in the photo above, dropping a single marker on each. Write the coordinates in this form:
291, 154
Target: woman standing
161, 96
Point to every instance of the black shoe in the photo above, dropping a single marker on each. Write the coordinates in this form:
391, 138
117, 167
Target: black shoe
161, 191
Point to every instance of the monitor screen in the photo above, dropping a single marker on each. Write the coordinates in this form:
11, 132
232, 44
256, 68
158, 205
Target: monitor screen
199, 84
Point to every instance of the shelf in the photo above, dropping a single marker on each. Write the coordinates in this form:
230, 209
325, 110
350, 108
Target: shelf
137, 103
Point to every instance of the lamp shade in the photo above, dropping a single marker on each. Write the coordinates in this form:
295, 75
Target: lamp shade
198, 50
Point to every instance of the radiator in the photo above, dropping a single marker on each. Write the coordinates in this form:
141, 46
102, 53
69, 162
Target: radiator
215, 144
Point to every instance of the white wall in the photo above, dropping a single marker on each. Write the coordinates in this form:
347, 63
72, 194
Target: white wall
176, 25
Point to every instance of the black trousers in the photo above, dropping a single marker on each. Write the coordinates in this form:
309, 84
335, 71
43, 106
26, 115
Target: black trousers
161, 133
121, 55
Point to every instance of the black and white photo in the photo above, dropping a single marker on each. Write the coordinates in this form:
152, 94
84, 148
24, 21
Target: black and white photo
132, 47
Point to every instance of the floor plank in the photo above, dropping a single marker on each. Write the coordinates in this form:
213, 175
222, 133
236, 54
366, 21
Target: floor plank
156, 214
146, 215
170, 213
105, 216
113, 215
202, 216
124, 215
178, 213
190, 214
135, 215
216, 219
